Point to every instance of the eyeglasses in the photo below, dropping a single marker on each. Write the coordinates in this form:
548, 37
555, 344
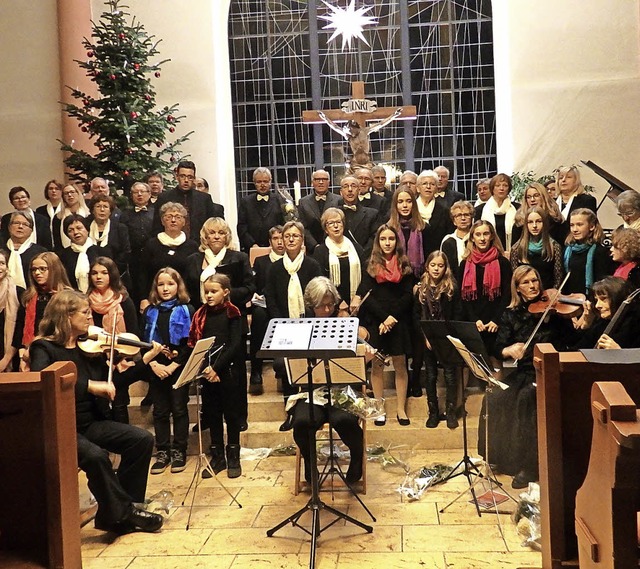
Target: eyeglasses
335, 223
71, 193
173, 216
624, 214
186, 177
20, 224
321, 179
39, 269
139, 191
461, 215
292, 236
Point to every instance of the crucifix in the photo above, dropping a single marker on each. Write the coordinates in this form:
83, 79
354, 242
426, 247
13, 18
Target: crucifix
355, 113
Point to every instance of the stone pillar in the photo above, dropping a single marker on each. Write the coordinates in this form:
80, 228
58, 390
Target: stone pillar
74, 24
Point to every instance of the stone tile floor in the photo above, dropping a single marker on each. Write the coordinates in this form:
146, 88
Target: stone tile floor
405, 534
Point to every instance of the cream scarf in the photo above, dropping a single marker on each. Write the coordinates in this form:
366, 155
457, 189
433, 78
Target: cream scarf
337, 250
52, 212
294, 290
83, 266
94, 233
633, 225
212, 260
15, 263
491, 209
274, 256
565, 210
172, 241
461, 243
8, 303
426, 211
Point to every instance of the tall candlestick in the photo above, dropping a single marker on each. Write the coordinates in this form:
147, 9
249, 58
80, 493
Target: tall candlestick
296, 192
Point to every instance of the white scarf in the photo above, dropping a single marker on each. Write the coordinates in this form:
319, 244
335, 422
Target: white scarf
337, 250
212, 261
633, 225
274, 256
172, 241
94, 233
294, 290
491, 209
565, 210
52, 212
426, 211
461, 243
83, 266
15, 263
9, 303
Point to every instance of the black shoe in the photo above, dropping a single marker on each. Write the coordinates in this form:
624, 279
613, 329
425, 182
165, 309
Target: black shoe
163, 460
178, 460
234, 470
217, 461
203, 426
522, 479
146, 402
256, 386
141, 520
452, 418
288, 423
415, 391
433, 420
354, 472
403, 422
244, 426
380, 421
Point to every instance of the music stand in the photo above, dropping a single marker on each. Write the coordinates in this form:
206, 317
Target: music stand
482, 371
192, 372
436, 332
334, 371
322, 338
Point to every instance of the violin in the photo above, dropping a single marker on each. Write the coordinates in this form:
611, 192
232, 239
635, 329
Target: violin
565, 305
363, 335
98, 341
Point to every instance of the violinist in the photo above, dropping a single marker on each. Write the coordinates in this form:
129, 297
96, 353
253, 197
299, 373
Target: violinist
110, 303
597, 328
167, 319
512, 423
67, 318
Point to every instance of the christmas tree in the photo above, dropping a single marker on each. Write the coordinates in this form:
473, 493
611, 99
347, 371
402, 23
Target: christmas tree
128, 131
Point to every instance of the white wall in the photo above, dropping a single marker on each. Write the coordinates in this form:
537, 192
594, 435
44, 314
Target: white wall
568, 87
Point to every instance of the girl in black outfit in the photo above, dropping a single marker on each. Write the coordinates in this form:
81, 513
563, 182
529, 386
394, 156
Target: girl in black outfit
110, 302
220, 318
167, 320
437, 298
584, 255
386, 313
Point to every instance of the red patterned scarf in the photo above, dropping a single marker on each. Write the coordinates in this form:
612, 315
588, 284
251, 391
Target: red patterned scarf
390, 272
491, 279
200, 317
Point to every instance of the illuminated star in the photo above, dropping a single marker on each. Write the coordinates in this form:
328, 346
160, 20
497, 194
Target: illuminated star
347, 23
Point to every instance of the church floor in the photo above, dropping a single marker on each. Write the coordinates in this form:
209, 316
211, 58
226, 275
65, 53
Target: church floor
405, 535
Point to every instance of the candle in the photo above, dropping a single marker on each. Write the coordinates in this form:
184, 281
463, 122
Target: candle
296, 192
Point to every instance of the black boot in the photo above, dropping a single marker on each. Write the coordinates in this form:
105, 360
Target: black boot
452, 398
255, 381
452, 416
434, 415
218, 461
233, 461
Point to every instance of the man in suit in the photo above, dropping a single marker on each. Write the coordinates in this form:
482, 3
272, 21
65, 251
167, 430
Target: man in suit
379, 188
259, 212
311, 207
200, 207
366, 196
360, 222
449, 195
410, 179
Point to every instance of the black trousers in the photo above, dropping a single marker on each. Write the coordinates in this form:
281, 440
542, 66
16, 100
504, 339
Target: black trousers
222, 401
345, 424
170, 403
115, 492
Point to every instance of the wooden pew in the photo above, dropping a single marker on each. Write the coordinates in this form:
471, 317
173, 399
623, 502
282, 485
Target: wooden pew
39, 519
564, 440
606, 503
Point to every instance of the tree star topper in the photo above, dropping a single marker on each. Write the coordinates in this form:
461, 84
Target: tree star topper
347, 23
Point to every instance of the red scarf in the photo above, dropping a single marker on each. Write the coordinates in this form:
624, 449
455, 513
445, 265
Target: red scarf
623, 270
390, 272
200, 317
491, 279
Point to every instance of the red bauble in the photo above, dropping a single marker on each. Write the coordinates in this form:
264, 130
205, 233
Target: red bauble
129, 151
136, 66
121, 36
157, 73
147, 97
170, 118
133, 115
86, 102
126, 173
172, 159
171, 129
158, 144
112, 77
83, 129
90, 54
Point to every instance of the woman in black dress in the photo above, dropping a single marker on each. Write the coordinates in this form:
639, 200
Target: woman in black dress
386, 313
572, 196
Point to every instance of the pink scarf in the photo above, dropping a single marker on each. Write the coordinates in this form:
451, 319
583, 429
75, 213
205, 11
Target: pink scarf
491, 278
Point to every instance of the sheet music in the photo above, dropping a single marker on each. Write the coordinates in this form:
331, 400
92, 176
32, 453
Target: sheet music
476, 364
297, 369
347, 370
292, 336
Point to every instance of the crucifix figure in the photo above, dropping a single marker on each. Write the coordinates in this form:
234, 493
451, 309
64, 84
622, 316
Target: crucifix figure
355, 113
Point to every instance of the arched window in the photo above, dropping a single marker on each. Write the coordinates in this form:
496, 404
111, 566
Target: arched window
436, 55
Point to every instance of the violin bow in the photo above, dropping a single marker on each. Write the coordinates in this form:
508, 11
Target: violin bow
616, 317
545, 313
112, 351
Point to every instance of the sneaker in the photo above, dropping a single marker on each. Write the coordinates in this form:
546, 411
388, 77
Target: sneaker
178, 460
162, 462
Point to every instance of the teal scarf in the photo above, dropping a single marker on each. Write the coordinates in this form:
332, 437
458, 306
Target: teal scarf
581, 248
